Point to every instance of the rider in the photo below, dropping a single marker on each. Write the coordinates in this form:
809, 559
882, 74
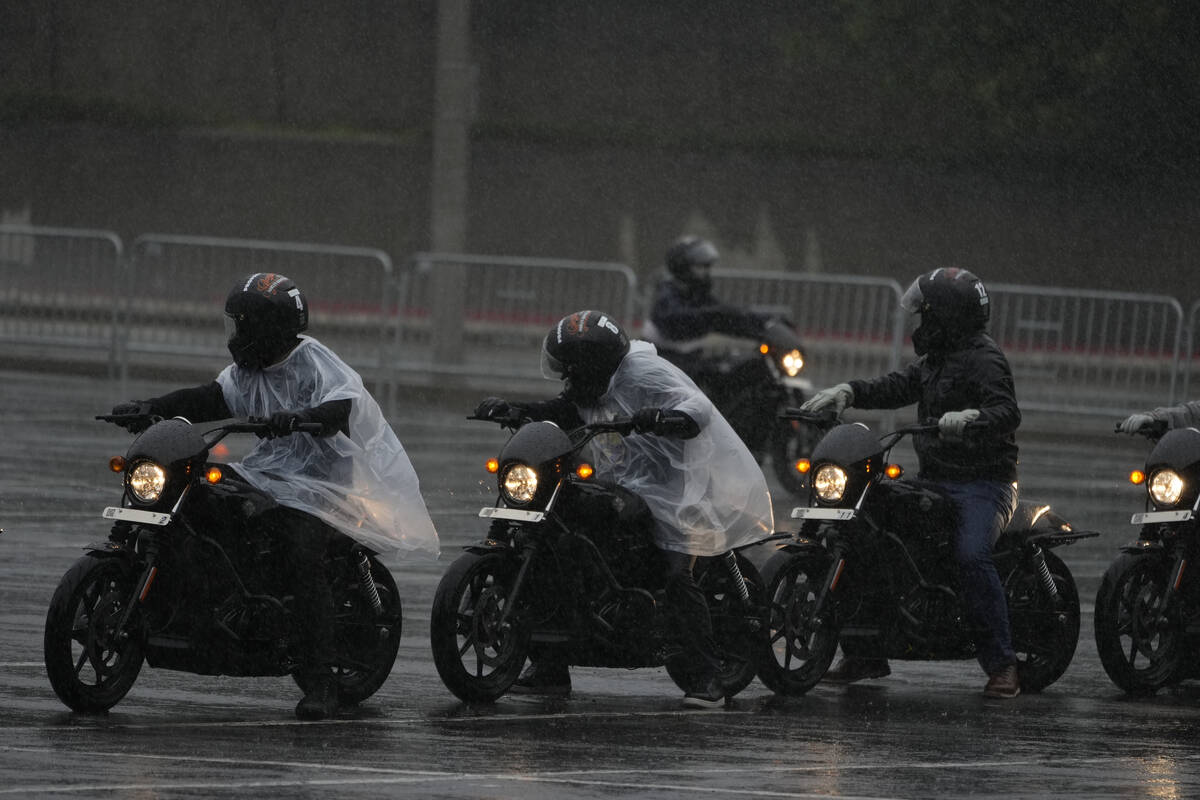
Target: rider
684, 308
353, 477
704, 490
959, 377
1180, 416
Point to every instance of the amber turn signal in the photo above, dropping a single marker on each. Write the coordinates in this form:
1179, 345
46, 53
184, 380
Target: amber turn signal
585, 471
762, 348
894, 471
803, 466
213, 475
1137, 476
493, 466
117, 463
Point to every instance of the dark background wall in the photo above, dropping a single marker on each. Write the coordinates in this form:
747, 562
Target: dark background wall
1046, 146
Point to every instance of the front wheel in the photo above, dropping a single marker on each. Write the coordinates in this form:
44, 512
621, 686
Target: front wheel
1139, 638
476, 654
802, 639
1045, 628
790, 442
91, 661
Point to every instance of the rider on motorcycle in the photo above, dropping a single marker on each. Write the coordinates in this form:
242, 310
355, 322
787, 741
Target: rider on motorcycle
960, 376
704, 489
354, 477
1181, 416
685, 309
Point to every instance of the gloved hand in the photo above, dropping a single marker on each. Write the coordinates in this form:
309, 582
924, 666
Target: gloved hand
953, 423
283, 423
646, 420
839, 396
132, 408
492, 408
1133, 423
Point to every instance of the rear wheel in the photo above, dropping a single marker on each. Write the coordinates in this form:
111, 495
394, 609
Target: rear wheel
800, 643
476, 654
1045, 629
737, 626
1140, 640
91, 661
366, 640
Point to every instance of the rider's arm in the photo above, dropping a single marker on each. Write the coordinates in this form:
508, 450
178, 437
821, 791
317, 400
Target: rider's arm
198, 403
680, 318
1181, 416
559, 410
333, 415
893, 390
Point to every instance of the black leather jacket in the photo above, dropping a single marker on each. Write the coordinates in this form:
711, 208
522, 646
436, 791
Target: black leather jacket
975, 374
681, 313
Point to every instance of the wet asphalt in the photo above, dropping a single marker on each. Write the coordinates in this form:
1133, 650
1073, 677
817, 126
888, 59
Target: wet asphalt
925, 731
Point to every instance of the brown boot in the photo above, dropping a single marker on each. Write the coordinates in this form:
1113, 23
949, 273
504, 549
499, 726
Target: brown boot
1004, 684
849, 670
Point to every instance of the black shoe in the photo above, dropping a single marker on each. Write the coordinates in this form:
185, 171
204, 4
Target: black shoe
849, 670
543, 678
711, 697
320, 701
1004, 684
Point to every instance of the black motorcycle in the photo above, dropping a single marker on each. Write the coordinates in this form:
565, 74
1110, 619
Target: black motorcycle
1148, 605
569, 563
752, 382
873, 568
186, 581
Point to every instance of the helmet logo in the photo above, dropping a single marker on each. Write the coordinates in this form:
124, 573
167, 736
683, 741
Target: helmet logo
265, 282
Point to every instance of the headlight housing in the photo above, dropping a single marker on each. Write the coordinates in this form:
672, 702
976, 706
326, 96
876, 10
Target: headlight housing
519, 484
1165, 487
792, 362
829, 483
146, 481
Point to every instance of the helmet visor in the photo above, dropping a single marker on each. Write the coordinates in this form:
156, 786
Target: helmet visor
230, 328
914, 299
552, 368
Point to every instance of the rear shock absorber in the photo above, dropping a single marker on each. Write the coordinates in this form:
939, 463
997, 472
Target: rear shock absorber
369, 589
1039, 561
735, 572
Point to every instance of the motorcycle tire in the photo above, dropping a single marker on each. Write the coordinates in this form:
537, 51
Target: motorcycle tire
798, 648
90, 662
476, 658
1140, 642
366, 641
1045, 629
791, 442
737, 626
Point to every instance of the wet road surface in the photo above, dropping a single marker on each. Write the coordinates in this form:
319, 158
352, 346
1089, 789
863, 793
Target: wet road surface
924, 731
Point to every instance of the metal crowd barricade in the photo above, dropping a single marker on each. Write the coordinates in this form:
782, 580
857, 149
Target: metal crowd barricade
176, 289
478, 321
850, 325
1190, 356
57, 291
1088, 352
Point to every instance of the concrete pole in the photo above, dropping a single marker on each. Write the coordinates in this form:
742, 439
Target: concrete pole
454, 109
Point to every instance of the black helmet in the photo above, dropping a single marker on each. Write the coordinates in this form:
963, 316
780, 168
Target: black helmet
263, 314
584, 349
689, 253
953, 304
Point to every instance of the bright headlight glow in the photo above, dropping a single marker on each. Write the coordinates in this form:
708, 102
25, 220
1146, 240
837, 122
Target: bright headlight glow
1166, 487
519, 483
830, 483
146, 481
792, 363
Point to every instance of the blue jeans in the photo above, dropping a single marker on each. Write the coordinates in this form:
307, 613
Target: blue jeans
984, 508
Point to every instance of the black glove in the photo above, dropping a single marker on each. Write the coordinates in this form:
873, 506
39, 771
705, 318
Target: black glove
647, 420
282, 423
138, 410
492, 408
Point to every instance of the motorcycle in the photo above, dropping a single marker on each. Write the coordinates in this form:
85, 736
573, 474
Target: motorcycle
752, 382
872, 568
1147, 619
185, 581
569, 562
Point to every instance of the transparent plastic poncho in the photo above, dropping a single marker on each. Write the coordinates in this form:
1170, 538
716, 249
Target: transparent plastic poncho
362, 484
707, 493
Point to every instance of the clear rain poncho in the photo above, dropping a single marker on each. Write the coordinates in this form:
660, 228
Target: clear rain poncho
707, 493
362, 484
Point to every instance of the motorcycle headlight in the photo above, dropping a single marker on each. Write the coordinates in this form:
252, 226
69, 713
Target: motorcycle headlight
792, 362
519, 483
147, 481
829, 483
1166, 487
